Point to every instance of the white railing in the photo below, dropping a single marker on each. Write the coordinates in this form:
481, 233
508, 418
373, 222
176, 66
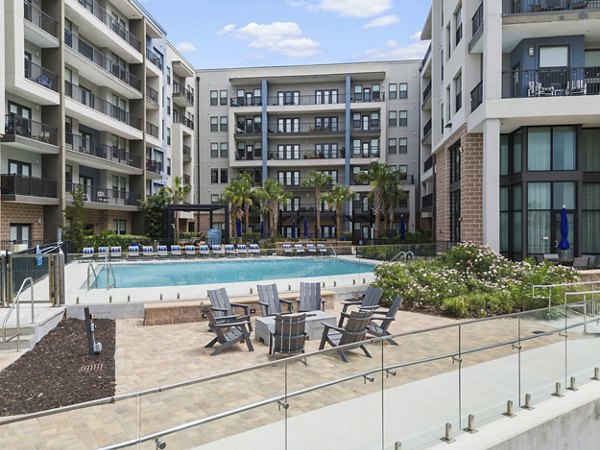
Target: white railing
16, 306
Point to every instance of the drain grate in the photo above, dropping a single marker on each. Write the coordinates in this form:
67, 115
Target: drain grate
91, 368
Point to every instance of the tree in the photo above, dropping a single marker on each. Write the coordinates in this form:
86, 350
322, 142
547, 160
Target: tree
317, 180
272, 194
336, 198
154, 208
75, 214
239, 193
376, 175
176, 195
392, 195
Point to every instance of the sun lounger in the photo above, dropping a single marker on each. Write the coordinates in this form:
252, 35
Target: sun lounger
287, 248
115, 252
322, 248
229, 249
254, 249
217, 250
242, 249
87, 253
204, 250
299, 248
133, 252
102, 252
148, 251
190, 251
175, 251
311, 248
161, 251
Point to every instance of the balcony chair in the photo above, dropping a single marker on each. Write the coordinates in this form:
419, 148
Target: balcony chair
353, 333
381, 329
228, 332
369, 301
223, 308
269, 301
309, 298
289, 335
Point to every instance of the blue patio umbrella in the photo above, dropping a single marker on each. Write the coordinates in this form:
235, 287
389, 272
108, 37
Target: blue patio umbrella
262, 229
305, 225
294, 230
238, 226
38, 256
564, 229
402, 229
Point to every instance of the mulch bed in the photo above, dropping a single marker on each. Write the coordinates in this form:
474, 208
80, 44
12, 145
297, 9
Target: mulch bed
59, 371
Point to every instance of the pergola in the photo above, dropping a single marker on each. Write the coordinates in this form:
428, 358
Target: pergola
169, 217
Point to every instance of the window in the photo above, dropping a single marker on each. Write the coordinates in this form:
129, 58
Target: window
168, 136
224, 148
224, 176
168, 106
214, 98
403, 171
590, 144
326, 123
214, 149
333, 175
214, 176
288, 125
403, 118
392, 146
256, 96
119, 226
119, 187
504, 155
288, 98
223, 98
326, 97
402, 145
591, 218
215, 199
241, 97
289, 178
358, 93
551, 148
455, 152
403, 90
458, 91
458, 24
20, 233
223, 123
376, 92
19, 168
214, 123
555, 56
392, 118
393, 91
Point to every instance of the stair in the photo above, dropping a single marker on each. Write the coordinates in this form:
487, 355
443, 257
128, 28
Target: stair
27, 340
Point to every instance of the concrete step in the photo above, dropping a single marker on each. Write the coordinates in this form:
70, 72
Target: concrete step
26, 342
25, 329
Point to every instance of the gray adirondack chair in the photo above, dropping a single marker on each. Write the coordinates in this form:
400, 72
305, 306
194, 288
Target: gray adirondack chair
270, 303
381, 329
289, 334
353, 333
223, 308
229, 332
370, 300
310, 297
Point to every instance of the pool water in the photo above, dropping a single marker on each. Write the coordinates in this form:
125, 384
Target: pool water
173, 273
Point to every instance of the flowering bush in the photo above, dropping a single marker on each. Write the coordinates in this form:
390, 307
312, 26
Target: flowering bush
470, 280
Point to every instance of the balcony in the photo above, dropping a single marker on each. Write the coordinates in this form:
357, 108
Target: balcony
152, 97
152, 129
248, 131
427, 92
187, 153
106, 196
426, 57
476, 27
13, 185
477, 96
97, 149
302, 154
178, 118
111, 23
182, 96
371, 129
304, 209
91, 100
324, 98
17, 127
187, 179
40, 19
110, 67
541, 6
154, 166
305, 128
370, 153
154, 58
428, 164
41, 76
427, 128
427, 201
551, 82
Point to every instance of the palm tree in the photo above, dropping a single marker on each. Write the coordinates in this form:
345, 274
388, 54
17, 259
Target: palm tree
376, 175
392, 194
317, 180
176, 194
272, 194
239, 194
339, 194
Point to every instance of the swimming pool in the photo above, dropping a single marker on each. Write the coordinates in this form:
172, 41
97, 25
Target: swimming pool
173, 273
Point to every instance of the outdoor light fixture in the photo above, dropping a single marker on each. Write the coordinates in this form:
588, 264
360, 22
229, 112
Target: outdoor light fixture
531, 51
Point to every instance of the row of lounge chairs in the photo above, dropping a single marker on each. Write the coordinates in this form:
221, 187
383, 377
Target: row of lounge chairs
300, 249
173, 251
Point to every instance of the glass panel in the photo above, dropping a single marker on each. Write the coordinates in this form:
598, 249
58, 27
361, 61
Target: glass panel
564, 194
591, 225
503, 155
590, 143
517, 230
517, 152
517, 194
563, 148
538, 195
538, 232
538, 149
554, 56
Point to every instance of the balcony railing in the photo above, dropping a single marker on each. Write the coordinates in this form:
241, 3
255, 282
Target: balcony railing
305, 128
154, 166
427, 53
108, 196
89, 51
477, 96
373, 127
16, 125
178, 118
427, 201
324, 98
428, 164
187, 152
88, 98
182, 91
187, 179
152, 94
304, 208
98, 149
152, 129
477, 20
31, 186
427, 92
154, 58
297, 154
40, 19
427, 128
551, 82
540, 6
41, 76
111, 23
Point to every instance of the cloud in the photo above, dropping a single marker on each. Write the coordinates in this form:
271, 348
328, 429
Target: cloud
285, 38
382, 21
391, 49
227, 29
355, 8
186, 47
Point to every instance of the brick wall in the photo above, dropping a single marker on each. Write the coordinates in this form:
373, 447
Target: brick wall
102, 219
22, 213
442, 196
204, 221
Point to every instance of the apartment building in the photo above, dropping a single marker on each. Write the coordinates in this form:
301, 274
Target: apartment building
94, 96
511, 123
283, 122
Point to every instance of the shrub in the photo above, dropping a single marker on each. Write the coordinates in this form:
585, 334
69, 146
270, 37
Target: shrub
455, 307
108, 238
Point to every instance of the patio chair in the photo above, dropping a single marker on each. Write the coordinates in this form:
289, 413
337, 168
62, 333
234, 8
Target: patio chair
229, 249
270, 303
578, 87
204, 250
190, 251
592, 260
87, 253
175, 251
254, 249
309, 298
147, 251
311, 248
551, 256
289, 335
581, 262
369, 301
223, 308
103, 252
228, 333
299, 249
322, 248
242, 249
287, 248
133, 252
381, 329
161, 251
353, 333
217, 250
115, 252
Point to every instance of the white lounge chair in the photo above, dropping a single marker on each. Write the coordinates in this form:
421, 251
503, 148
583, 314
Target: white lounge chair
322, 248
204, 250
287, 248
176, 251
190, 251
229, 249
254, 249
242, 249
299, 249
161, 251
87, 253
102, 252
217, 250
148, 251
133, 252
311, 248
115, 252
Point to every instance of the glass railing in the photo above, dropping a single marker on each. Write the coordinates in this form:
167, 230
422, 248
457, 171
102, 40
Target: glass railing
100, 194
21, 126
181, 91
154, 58
154, 166
407, 390
152, 94
551, 82
41, 76
178, 118
40, 19
31, 186
187, 152
477, 96
152, 129
118, 28
95, 148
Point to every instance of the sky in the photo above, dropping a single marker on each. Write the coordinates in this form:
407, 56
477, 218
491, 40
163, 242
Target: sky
235, 33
